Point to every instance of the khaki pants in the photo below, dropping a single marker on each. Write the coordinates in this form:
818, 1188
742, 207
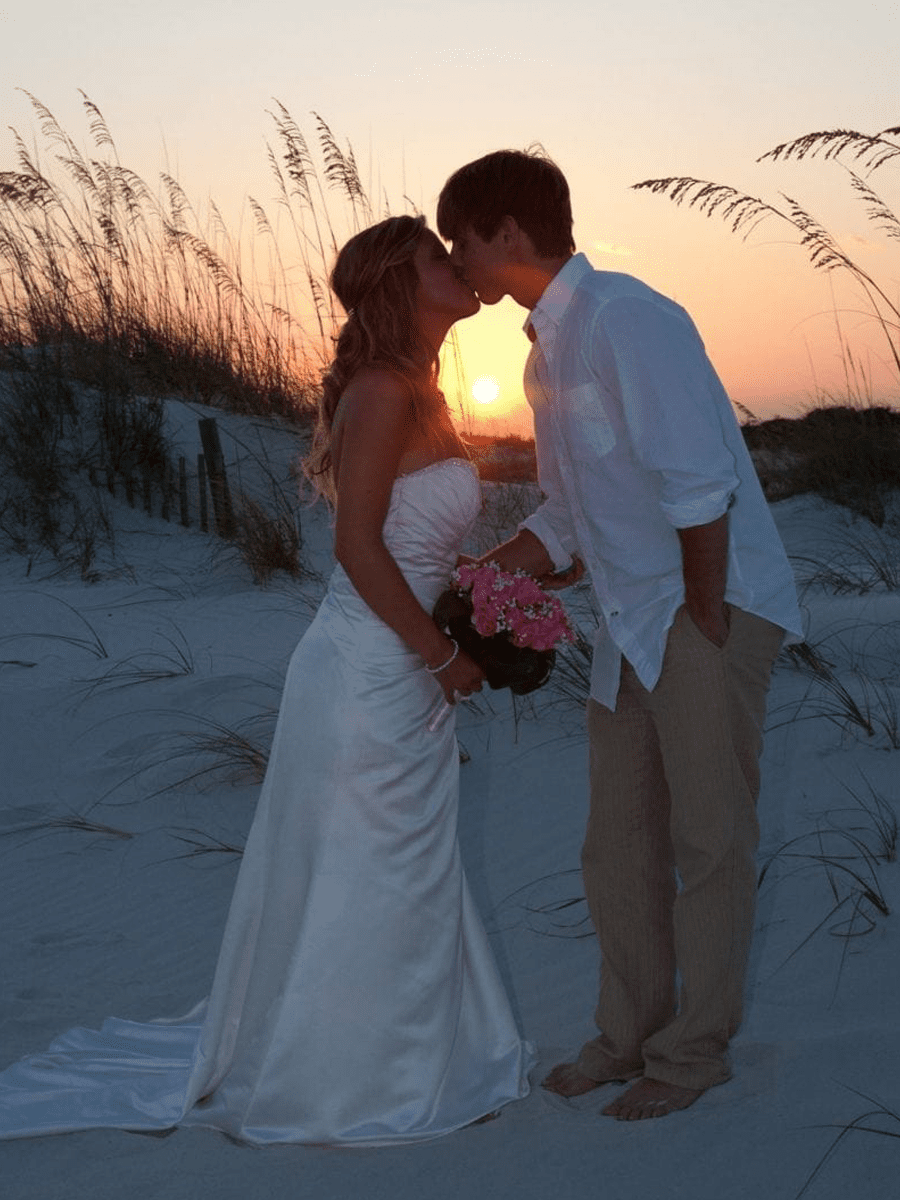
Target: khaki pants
674, 777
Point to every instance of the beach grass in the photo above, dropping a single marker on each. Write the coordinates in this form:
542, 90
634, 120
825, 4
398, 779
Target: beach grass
880, 1119
860, 155
115, 294
847, 448
114, 277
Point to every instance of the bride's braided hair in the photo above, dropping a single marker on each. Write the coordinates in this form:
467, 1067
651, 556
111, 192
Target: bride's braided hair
375, 280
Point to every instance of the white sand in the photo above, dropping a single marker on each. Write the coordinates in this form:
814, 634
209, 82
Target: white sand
97, 924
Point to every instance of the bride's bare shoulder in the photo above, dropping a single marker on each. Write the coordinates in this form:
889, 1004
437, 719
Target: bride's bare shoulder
375, 388
371, 423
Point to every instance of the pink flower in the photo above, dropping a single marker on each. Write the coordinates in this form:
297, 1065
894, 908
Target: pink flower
515, 604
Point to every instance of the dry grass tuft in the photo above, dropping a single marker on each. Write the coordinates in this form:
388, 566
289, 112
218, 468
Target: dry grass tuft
228, 754
39, 824
60, 444
880, 1119
267, 542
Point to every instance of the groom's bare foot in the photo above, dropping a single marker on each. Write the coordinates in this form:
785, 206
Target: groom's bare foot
651, 1098
566, 1080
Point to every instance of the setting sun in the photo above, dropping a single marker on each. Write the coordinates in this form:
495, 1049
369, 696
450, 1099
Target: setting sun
486, 389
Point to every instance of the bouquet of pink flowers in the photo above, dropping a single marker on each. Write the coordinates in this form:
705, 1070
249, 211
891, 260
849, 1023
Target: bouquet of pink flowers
514, 604
506, 622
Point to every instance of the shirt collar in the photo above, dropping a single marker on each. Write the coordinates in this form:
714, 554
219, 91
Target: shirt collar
547, 314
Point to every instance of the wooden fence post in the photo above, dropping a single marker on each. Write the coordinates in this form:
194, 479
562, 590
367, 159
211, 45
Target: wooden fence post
218, 481
201, 491
182, 491
166, 492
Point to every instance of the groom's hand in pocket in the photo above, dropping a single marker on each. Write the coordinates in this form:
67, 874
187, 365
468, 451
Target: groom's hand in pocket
712, 621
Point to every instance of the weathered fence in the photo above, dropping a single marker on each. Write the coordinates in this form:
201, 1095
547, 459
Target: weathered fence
183, 494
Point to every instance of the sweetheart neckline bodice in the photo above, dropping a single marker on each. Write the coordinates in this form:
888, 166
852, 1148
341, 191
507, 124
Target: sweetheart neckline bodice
440, 462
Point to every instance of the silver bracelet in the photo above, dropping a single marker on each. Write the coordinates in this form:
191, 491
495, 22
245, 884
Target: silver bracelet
436, 670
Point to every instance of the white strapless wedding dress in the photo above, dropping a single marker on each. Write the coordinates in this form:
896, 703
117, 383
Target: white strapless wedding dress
356, 1000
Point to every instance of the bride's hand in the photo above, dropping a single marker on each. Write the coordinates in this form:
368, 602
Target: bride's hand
460, 678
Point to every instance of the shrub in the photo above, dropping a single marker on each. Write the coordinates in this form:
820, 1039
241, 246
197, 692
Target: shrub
845, 454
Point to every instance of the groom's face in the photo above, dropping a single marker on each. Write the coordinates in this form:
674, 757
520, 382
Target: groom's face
482, 264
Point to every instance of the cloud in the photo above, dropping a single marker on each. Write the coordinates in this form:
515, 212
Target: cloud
866, 242
609, 248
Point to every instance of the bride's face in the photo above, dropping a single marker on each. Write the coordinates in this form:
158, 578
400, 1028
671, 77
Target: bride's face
440, 290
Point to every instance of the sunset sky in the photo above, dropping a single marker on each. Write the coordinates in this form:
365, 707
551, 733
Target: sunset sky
616, 93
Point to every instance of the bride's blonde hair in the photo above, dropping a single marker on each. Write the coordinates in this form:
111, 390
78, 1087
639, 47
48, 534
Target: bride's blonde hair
375, 280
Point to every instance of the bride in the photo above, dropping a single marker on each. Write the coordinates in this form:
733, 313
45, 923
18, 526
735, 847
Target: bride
356, 1000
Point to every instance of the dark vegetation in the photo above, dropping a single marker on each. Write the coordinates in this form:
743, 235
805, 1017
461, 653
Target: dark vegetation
507, 459
845, 454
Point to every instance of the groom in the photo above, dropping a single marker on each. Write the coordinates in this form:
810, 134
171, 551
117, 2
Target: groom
646, 479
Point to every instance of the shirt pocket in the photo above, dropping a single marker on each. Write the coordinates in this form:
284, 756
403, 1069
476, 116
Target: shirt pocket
591, 434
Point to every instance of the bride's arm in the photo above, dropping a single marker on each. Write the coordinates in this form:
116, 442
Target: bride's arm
376, 420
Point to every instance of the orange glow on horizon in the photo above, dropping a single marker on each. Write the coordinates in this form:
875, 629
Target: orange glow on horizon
779, 345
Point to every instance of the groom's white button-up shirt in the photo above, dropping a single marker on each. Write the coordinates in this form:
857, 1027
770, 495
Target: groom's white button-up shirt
636, 439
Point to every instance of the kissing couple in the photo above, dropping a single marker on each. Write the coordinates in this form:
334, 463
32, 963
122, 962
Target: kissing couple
356, 1000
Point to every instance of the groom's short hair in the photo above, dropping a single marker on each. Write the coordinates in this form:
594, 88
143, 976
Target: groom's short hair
523, 184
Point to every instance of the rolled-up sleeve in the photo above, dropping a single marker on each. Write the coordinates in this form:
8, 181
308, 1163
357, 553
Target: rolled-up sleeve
671, 402
558, 539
